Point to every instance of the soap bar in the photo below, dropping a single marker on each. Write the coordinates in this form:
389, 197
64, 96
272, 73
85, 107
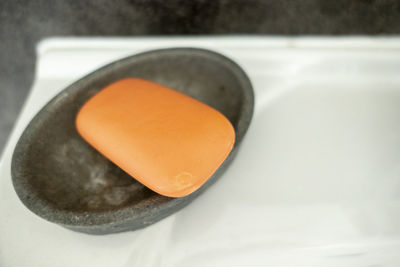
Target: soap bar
166, 140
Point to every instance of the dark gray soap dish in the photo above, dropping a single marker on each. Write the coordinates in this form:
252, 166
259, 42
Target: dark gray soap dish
59, 177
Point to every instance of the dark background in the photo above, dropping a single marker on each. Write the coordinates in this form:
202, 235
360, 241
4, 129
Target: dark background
24, 23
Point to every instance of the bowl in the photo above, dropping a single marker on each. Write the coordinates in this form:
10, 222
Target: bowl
61, 178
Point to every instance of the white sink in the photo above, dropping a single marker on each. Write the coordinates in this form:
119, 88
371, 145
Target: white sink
315, 183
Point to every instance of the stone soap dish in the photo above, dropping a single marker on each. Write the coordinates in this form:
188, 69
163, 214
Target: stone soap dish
61, 178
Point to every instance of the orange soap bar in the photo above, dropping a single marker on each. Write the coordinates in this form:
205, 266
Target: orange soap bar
166, 140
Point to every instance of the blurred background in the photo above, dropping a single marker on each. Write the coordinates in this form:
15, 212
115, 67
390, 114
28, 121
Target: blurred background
24, 23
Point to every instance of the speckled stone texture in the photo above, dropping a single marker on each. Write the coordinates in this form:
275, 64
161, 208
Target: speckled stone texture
61, 178
23, 23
